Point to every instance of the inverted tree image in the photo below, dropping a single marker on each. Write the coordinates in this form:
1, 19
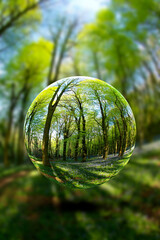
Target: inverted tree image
79, 120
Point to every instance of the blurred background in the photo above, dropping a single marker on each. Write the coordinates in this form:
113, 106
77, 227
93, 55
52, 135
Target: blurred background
117, 41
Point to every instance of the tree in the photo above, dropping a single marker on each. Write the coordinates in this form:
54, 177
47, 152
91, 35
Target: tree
116, 51
79, 103
55, 99
24, 72
104, 122
66, 132
14, 13
61, 44
77, 117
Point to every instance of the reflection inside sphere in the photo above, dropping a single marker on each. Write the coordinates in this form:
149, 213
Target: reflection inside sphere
80, 132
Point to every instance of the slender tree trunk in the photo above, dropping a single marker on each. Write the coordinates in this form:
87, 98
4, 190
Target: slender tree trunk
62, 52
57, 147
20, 150
7, 138
122, 74
115, 135
45, 158
76, 67
105, 149
104, 126
120, 138
77, 141
96, 64
69, 150
29, 130
9, 128
84, 149
64, 148
50, 145
65, 138
151, 72
124, 134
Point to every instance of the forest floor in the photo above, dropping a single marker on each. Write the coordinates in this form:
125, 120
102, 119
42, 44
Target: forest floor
83, 174
125, 208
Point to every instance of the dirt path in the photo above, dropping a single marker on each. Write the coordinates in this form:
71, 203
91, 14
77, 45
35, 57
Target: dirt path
8, 179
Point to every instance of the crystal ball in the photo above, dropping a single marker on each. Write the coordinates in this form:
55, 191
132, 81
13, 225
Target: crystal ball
79, 132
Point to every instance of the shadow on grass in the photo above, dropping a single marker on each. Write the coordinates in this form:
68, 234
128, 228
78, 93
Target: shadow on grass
124, 208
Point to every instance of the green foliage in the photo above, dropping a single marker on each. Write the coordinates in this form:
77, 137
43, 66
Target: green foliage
12, 8
31, 62
122, 46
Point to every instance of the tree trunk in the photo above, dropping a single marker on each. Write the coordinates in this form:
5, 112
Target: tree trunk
57, 147
120, 138
7, 138
20, 153
84, 149
97, 66
64, 148
62, 51
9, 128
51, 110
29, 129
124, 134
45, 158
77, 141
104, 126
105, 139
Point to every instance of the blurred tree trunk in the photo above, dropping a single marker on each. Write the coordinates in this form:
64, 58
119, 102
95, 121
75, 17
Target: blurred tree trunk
20, 147
150, 71
58, 56
56, 39
96, 64
76, 67
9, 126
122, 75
13, 102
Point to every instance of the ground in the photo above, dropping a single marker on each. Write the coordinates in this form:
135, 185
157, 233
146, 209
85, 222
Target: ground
125, 208
83, 175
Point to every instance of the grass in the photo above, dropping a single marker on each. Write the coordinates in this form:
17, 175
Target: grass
125, 208
82, 175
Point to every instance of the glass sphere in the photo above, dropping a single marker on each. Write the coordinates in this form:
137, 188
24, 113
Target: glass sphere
80, 132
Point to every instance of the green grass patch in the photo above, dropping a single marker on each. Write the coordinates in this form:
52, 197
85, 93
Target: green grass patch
126, 207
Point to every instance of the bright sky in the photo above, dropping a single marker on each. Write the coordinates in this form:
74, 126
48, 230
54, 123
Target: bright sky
84, 9
90, 7
87, 7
